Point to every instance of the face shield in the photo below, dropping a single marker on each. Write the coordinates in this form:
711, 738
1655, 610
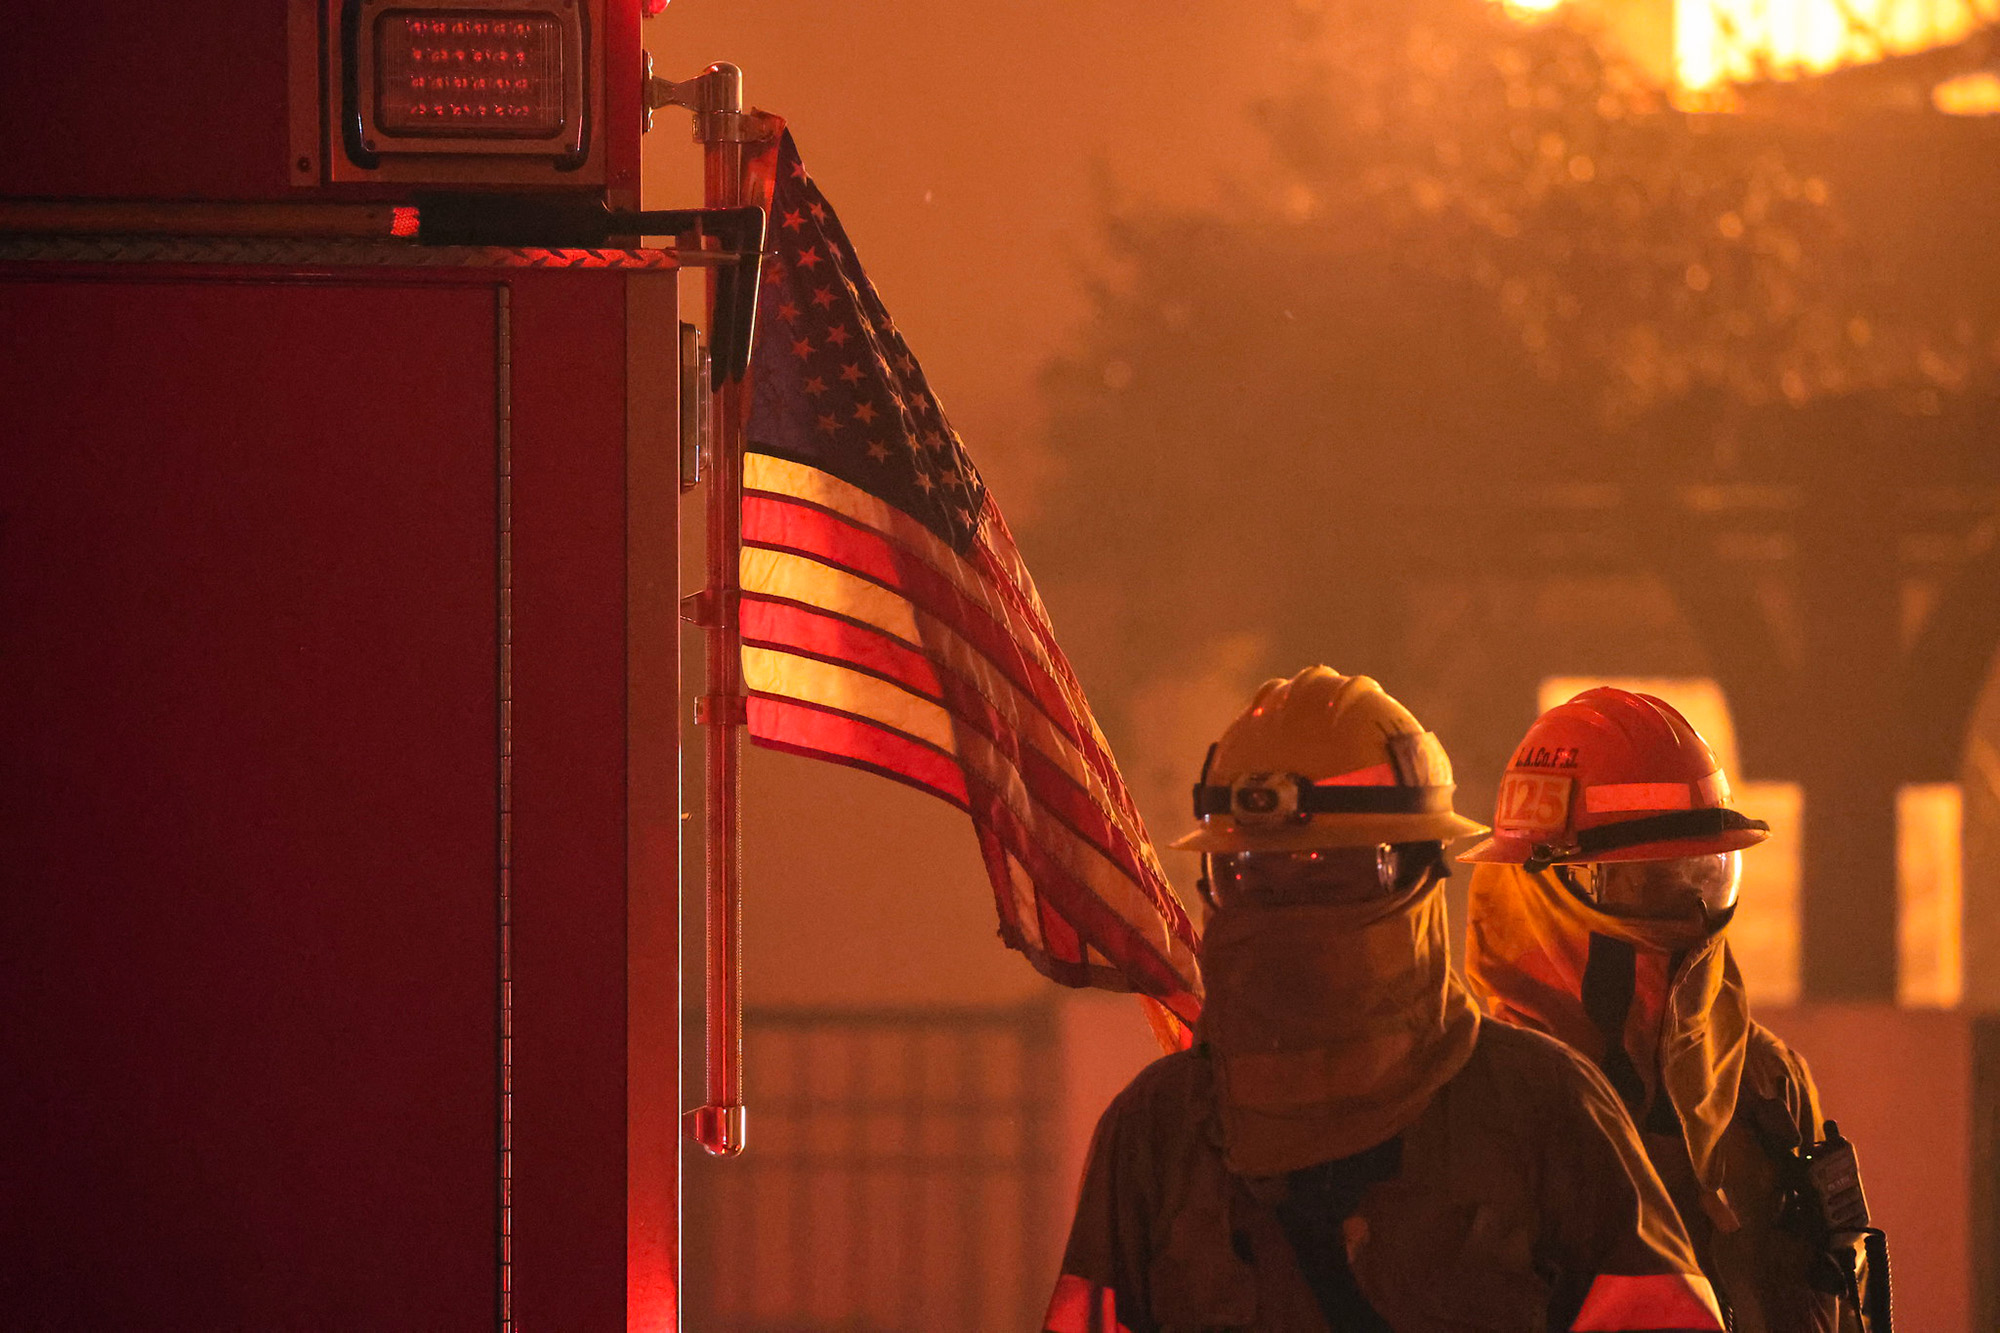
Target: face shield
1686, 888
1321, 877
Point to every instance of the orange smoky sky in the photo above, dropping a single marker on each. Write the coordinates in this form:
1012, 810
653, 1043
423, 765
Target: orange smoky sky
967, 147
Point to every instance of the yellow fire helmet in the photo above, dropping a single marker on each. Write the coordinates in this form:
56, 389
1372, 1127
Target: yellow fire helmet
1323, 760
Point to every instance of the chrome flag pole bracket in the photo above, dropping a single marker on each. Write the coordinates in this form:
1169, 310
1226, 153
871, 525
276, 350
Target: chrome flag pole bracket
715, 96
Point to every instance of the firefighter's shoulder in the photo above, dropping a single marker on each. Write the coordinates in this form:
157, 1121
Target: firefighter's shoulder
1177, 1079
1165, 1112
1774, 1072
1772, 1061
1531, 1074
1511, 1050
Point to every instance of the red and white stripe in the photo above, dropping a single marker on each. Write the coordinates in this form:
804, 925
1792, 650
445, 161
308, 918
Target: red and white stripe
869, 641
1082, 1306
1613, 797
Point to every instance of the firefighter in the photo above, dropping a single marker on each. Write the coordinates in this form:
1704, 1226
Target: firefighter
1597, 915
1349, 1146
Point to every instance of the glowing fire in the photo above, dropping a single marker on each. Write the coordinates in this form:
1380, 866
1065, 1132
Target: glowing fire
1969, 95
1722, 41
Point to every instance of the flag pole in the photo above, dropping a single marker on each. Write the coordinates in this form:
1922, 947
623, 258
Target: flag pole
716, 97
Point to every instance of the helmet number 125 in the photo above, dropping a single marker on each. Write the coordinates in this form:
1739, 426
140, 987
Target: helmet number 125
1533, 803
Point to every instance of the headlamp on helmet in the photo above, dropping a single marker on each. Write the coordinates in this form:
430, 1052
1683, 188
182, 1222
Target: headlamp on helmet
1416, 780
1261, 799
1323, 761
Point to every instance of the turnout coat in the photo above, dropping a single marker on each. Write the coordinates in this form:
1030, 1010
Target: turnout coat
1518, 1199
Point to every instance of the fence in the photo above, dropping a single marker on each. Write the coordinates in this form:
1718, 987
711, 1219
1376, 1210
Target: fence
899, 1178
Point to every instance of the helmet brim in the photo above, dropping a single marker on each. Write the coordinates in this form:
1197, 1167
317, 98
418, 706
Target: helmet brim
1324, 832
1504, 850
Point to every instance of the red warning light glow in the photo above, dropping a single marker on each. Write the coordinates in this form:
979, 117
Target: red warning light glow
466, 74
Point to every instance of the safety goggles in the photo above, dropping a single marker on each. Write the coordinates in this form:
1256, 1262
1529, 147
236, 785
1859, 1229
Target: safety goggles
1321, 877
1680, 889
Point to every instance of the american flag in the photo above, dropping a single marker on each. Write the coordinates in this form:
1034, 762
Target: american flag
889, 623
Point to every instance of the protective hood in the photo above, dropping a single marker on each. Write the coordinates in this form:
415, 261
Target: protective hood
1658, 1005
1331, 1027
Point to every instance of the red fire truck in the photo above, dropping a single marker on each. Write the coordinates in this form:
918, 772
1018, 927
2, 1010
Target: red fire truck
339, 681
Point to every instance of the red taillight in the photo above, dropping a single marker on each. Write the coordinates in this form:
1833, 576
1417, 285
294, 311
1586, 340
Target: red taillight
469, 74
476, 81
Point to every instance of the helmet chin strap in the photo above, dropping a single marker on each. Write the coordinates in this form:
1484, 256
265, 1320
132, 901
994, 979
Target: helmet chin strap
1202, 884
1439, 867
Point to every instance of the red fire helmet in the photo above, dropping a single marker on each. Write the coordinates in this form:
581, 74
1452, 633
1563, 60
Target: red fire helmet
1613, 776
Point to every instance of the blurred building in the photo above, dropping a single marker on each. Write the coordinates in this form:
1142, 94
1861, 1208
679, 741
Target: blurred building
1889, 99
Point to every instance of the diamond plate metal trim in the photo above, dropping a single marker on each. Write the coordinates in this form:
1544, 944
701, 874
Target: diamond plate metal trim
311, 253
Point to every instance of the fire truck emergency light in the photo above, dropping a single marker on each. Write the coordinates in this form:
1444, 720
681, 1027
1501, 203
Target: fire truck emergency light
492, 77
481, 76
